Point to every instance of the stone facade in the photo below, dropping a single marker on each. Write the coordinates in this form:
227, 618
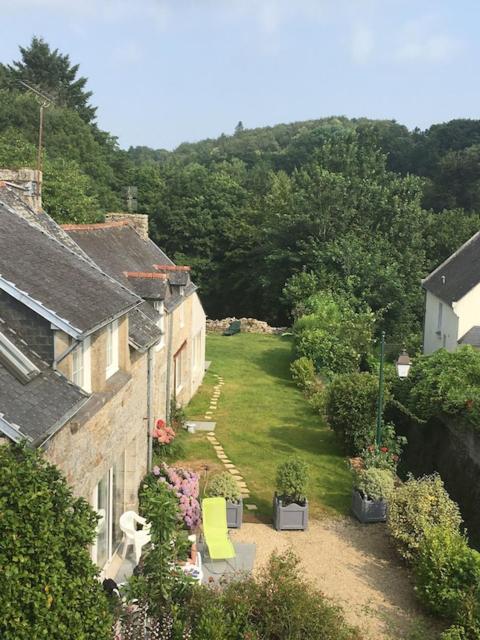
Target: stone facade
247, 325
186, 332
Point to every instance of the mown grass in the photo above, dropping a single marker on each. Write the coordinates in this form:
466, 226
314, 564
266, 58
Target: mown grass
262, 418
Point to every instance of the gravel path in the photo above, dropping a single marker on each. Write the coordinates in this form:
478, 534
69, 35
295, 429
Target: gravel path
356, 566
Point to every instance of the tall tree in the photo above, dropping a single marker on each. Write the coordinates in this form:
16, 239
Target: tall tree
51, 72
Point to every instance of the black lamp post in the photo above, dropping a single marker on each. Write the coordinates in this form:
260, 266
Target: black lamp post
402, 366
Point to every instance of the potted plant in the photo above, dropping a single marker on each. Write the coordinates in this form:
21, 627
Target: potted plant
290, 504
372, 488
224, 485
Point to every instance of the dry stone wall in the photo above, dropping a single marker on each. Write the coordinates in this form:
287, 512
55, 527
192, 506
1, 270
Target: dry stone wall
247, 325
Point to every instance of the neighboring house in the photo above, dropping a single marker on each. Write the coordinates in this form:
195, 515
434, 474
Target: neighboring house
82, 354
452, 302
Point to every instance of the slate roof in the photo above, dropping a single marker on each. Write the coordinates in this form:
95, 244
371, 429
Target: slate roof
56, 279
455, 277
471, 337
41, 406
117, 248
143, 330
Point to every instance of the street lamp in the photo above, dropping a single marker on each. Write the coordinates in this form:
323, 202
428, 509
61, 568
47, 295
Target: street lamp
402, 365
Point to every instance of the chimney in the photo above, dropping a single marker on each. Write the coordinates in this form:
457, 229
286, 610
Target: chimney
138, 221
27, 183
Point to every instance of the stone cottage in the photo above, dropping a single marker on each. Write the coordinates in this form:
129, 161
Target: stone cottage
89, 355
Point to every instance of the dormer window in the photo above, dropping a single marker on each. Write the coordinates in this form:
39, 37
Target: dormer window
81, 375
112, 349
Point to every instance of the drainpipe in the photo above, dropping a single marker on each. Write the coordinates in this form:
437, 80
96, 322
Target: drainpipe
169, 366
150, 375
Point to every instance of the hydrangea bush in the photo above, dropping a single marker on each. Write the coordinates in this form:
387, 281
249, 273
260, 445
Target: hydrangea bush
185, 484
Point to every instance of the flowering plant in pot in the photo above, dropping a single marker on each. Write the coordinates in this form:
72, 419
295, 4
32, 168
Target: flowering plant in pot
224, 485
371, 491
290, 504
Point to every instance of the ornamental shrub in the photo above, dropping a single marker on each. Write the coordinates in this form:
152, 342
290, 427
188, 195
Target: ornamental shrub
303, 373
447, 574
351, 409
185, 486
292, 480
416, 506
224, 485
446, 382
376, 484
162, 582
49, 587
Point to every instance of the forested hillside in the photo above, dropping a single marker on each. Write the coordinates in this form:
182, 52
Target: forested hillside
364, 208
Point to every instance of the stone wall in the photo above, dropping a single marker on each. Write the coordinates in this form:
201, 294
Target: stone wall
452, 449
247, 325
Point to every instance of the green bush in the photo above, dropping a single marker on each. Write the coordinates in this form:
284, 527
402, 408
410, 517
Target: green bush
376, 484
415, 507
292, 480
454, 632
351, 409
224, 484
162, 583
49, 587
447, 572
277, 604
446, 382
303, 373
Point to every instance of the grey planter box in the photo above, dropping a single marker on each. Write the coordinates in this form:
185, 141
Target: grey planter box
234, 514
293, 517
367, 510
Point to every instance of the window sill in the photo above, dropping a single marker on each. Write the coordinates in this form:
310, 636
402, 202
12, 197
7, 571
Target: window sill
110, 371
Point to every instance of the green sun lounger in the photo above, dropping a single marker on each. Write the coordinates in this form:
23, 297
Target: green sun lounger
214, 513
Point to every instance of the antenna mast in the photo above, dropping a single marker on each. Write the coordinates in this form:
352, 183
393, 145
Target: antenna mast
45, 101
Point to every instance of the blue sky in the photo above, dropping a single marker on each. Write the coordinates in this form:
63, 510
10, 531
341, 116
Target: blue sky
168, 71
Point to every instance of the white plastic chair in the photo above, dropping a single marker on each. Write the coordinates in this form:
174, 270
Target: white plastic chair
132, 536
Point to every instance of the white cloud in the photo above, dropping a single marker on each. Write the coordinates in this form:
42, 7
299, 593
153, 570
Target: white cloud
361, 44
421, 42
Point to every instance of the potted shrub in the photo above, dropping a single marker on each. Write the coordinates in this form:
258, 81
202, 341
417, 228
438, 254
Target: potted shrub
224, 485
372, 488
290, 504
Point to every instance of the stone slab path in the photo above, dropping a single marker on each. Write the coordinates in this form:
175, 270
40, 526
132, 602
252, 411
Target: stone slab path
357, 567
219, 452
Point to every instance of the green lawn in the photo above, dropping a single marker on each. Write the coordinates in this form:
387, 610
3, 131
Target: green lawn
262, 418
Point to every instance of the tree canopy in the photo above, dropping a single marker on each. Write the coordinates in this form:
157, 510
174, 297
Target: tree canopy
366, 207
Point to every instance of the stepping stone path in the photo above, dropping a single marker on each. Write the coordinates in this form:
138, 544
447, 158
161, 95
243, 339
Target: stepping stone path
220, 453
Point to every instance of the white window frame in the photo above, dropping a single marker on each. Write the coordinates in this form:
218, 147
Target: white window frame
180, 368
197, 350
82, 375
160, 309
111, 350
440, 318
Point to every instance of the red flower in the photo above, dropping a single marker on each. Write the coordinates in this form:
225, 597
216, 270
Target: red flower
395, 457
384, 449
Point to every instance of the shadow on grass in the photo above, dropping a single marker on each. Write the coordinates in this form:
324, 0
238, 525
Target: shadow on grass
274, 363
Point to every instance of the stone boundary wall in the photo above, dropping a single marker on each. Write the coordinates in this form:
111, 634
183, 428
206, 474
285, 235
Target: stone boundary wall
247, 325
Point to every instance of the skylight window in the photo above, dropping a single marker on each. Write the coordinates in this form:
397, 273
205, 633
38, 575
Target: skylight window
16, 362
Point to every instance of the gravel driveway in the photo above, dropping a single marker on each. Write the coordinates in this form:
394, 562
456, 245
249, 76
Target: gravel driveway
357, 567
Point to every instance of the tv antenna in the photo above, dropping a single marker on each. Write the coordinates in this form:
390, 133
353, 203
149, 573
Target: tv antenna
45, 101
